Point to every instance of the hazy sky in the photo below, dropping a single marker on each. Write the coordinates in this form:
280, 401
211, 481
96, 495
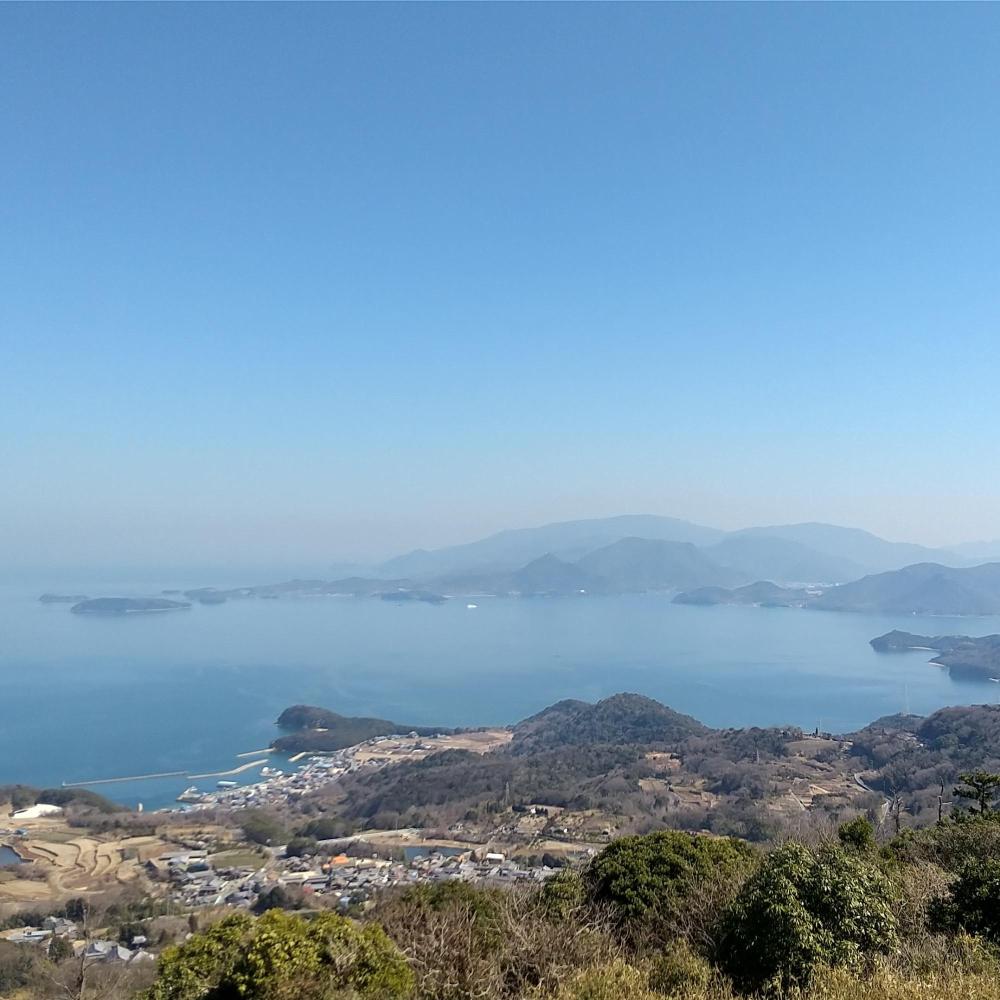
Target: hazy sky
304, 282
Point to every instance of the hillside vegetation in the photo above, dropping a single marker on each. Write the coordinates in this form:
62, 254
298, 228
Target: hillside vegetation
319, 729
666, 916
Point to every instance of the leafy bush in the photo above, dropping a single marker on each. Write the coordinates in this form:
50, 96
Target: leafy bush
615, 981
667, 884
299, 847
804, 909
262, 828
858, 834
326, 828
680, 973
974, 901
562, 895
282, 957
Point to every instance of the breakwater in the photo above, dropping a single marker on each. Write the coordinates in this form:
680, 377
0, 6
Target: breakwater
132, 777
235, 770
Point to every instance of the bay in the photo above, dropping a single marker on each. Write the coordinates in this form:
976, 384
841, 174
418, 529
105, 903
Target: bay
91, 697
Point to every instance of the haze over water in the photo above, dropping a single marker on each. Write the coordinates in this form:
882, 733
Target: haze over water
92, 697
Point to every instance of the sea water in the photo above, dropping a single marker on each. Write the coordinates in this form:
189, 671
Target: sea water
85, 697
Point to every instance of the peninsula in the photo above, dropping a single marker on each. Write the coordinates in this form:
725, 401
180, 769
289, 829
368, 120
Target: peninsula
312, 729
964, 655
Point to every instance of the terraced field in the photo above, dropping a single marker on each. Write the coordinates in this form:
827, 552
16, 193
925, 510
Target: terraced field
78, 864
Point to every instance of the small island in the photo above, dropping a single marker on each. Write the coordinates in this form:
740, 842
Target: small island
127, 606
976, 658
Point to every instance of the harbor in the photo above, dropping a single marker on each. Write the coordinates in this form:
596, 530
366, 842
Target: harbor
192, 793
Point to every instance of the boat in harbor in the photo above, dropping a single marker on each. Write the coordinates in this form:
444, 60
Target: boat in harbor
226, 784
190, 795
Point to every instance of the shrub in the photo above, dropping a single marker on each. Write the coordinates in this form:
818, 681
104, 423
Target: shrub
667, 884
562, 895
680, 973
858, 834
299, 847
974, 900
282, 957
805, 909
263, 828
326, 828
615, 981
20, 966
464, 942
890, 984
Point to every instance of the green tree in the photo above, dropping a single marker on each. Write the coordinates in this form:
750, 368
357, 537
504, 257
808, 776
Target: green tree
263, 828
858, 834
279, 897
283, 957
654, 886
974, 900
298, 847
59, 949
803, 909
981, 786
562, 894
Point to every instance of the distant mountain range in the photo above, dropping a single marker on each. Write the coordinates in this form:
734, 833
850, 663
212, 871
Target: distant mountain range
925, 588
820, 566
979, 551
921, 589
791, 553
568, 540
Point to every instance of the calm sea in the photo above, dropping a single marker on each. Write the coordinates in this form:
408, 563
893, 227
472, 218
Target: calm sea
84, 698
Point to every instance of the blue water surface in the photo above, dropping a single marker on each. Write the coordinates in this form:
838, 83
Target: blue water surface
92, 697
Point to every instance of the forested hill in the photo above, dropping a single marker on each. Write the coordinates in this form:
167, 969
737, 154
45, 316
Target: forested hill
611, 756
620, 719
319, 729
964, 655
924, 588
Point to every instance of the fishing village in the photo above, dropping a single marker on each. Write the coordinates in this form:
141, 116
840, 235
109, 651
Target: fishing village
196, 856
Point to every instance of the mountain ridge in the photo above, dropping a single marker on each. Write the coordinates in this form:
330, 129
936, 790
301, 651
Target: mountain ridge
808, 552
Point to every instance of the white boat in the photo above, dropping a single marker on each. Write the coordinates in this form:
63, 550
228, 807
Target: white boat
471, 606
226, 784
190, 795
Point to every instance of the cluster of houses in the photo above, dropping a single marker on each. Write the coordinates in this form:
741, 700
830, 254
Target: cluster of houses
93, 952
278, 787
195, 881
353, 880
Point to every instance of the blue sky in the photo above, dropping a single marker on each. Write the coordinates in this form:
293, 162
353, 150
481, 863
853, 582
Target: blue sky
304, 282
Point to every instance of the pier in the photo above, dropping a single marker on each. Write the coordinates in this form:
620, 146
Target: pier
235, 770
168, 774
132, 777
